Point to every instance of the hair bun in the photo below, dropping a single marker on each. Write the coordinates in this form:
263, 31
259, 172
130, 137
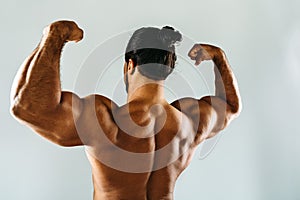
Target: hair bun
169, 36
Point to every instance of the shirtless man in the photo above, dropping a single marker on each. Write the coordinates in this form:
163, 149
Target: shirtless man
138, 150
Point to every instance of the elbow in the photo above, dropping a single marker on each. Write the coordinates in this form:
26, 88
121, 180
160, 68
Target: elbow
19, 112
238, 108
15, 111
15, 107
60, 141
64, 142
234, 112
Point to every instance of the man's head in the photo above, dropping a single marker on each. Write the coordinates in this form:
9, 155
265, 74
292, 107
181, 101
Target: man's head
152, 51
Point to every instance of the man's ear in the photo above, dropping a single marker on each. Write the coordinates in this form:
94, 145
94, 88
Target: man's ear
130, 66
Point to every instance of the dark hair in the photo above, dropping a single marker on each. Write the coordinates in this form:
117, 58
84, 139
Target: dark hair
153, 50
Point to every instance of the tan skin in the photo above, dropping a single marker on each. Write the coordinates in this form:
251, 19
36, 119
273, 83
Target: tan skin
68, 120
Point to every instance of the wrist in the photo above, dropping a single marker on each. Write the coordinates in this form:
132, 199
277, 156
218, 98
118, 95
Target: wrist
53, 37
218, 56
57, 32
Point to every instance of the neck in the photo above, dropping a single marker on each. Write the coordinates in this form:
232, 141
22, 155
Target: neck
146, 89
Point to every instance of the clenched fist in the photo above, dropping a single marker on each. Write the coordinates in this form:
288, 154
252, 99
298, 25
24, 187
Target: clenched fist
202, 52
66, 30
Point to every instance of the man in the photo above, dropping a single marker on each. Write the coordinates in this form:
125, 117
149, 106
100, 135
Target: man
138, 150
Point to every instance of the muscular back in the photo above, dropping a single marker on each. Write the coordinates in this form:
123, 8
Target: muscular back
138, 150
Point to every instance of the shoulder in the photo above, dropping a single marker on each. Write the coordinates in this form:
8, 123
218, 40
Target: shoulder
97, 117
186, 105
100, 108
198, 110
195, 108
97, 102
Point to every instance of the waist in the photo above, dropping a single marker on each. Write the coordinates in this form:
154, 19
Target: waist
119, 195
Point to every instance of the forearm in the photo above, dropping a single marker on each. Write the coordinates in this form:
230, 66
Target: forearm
225, 82
38, 86
20, 77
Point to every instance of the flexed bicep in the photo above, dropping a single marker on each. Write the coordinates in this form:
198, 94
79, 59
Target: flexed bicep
57, 125
209, 115
215, 115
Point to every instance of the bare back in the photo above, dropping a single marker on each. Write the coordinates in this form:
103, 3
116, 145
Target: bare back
141, 153
137, 151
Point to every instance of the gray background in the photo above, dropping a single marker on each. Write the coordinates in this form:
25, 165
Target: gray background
257, 157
